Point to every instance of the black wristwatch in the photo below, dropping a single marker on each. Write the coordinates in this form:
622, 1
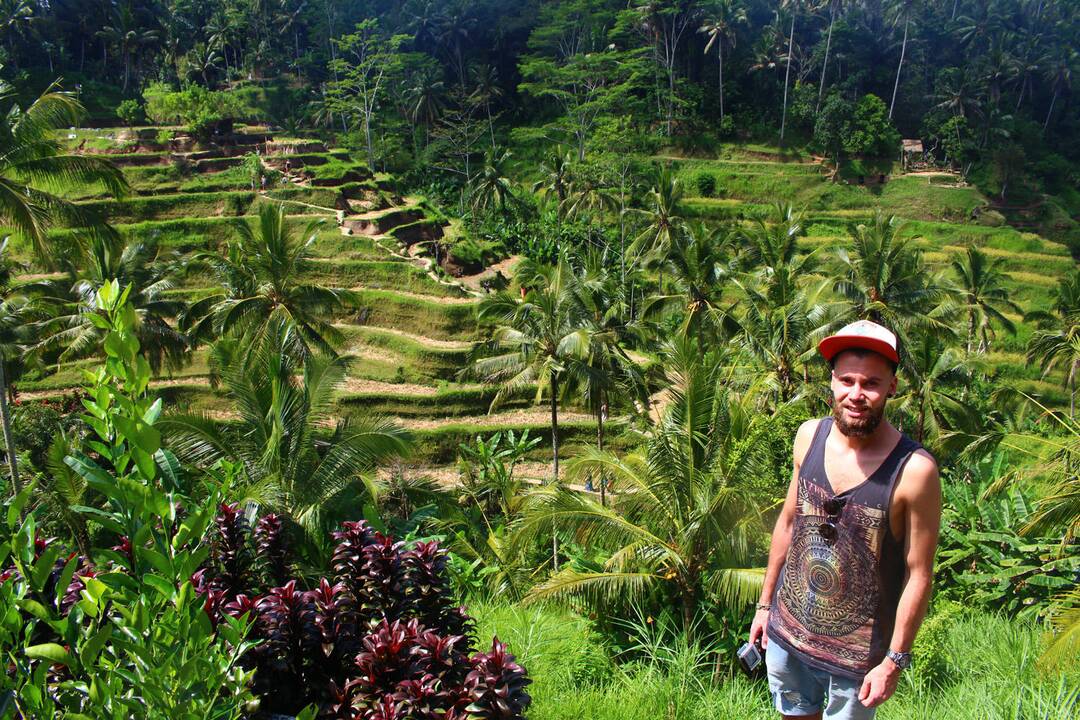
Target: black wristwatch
902, 660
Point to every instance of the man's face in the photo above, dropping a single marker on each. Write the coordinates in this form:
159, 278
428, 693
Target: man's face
861, 385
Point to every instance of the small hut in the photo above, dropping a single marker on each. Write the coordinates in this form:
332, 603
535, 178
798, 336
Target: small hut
912, 155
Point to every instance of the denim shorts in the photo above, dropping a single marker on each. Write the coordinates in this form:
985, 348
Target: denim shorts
798, 689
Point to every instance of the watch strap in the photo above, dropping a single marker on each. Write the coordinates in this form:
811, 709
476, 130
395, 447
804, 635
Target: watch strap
902, 660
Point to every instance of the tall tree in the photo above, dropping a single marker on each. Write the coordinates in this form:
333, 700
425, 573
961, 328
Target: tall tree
984, 296
835, 8
720, 29
1057, 342
664, 24
903, 10
793, 6
539, 339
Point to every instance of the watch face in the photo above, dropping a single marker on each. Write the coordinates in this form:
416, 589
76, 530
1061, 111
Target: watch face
902, 660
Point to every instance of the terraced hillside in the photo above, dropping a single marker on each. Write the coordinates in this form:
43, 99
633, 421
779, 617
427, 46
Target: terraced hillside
415, 328
942, 213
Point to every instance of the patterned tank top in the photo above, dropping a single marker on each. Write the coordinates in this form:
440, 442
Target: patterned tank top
835, 603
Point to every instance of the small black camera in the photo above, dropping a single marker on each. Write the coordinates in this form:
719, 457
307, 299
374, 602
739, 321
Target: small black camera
750, 657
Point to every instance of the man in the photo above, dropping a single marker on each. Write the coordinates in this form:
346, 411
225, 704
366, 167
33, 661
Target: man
852, 555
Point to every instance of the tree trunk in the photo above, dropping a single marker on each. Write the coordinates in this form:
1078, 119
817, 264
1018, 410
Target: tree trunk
971, 330
1051, 110
367, 137
720, 81
491, 127
787, 74
9, 440
825, 62
555, 462
600, 444
903, 51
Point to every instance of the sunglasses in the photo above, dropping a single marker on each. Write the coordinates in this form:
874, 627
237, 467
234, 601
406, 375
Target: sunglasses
833, 507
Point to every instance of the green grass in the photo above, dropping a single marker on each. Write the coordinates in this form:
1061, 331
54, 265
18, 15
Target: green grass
389, 274
989, 663
418, 363
429, 318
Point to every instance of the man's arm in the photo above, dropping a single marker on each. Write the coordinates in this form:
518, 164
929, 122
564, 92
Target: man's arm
919, 493
781, 537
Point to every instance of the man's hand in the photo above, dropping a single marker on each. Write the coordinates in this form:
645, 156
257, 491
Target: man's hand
879, 684
757, 628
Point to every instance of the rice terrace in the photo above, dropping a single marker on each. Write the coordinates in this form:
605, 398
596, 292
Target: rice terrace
552, 359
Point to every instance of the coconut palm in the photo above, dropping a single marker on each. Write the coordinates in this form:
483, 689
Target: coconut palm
680, 521
260, 279
793, 6
151, 273
662, 223
608, 371
541, 339
699, 266
836, 7
555, 177
34, 167
492, 187
538, 341
935, 377
773, 255
902, 10
1057, 342
129, 34
294, 456
486, 90
883, 278
984, 296
720, 29
15, 316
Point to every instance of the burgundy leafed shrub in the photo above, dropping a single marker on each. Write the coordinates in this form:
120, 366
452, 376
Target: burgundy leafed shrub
272, 549
383, 640
496, 685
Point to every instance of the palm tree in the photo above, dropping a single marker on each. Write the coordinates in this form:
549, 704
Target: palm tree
883, 278
663, 224
772, 253
492, 187
1060, 76
720, 29
15, 317
1057, 342
794, 6
203, 61
128, 32
984, 296
260, 277
932, 394
903, 9
539, 340
836, 7
608, 371
699, 267
555, 177
680, 521
292, 454
486, 90
34, 166
150, 273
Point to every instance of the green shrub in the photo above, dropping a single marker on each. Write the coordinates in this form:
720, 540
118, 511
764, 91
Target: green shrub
474, 254
932, 668
705, 182
130, 112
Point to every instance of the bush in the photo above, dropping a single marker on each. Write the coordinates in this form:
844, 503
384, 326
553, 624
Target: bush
932, 669
474, 255
202, 110
130, 112
384, 631
705, 183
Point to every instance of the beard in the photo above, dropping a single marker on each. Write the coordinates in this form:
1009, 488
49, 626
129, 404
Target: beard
861, 427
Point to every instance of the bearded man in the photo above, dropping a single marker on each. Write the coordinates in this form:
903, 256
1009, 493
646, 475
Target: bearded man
852, 555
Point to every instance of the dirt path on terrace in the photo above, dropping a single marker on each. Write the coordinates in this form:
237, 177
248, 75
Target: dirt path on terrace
374, 387
421, 339
506, 267
196, 380
510, 419
448, 476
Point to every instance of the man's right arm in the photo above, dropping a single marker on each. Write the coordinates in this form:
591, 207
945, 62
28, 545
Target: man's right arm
781, 537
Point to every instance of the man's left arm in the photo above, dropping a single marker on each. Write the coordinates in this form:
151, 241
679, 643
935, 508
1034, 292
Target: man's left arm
920, 494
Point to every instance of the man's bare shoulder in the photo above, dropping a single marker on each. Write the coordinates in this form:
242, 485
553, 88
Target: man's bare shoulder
920, 477
803, 437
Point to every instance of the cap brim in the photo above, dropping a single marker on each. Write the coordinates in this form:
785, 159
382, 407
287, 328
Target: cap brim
834, 344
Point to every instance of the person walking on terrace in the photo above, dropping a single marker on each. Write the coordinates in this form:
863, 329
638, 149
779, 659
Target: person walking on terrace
852, 556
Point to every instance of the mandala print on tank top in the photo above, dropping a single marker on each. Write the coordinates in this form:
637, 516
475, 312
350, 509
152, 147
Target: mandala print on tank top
832, 592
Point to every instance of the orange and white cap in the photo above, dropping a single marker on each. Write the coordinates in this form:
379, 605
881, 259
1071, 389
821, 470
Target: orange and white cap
861, 334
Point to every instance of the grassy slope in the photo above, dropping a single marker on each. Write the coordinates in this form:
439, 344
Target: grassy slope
988, 663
